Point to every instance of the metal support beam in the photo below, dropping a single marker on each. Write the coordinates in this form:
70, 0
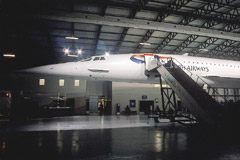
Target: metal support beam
226, 93
214, 93
97, 39
144, 39
100, 27
162, 9
165, 42
204, 45
169, 95
230, 27
236, 94
122, 37
188, 41
211, 6
137, 8
174, 6
207, 9
218, 50
140, 24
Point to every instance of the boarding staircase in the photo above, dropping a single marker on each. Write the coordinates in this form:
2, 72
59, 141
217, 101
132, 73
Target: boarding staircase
186, 86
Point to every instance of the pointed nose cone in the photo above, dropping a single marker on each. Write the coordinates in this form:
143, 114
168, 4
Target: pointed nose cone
55, 69
41, 70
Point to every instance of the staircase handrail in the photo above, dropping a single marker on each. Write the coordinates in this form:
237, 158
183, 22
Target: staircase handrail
191, 74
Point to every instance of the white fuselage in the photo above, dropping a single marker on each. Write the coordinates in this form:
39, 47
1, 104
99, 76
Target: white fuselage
131, 68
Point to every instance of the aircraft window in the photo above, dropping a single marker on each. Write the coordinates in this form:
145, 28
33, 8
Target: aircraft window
214, 64
96, 59
210, 63
206, 63
188, 61
193, 62
197, 63
230, 65
202, 62
102, 58
226, 65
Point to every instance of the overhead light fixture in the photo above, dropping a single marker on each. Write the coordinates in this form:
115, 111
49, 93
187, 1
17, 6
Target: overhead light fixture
145, 44
66, 51
107, 54
79, 51
72, 37
203, 49
9, 55
72, 55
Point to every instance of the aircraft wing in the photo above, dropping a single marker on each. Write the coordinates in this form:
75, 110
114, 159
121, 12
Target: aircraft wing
223, 82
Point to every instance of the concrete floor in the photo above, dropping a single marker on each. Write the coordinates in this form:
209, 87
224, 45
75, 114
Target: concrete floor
111, 137
80, 123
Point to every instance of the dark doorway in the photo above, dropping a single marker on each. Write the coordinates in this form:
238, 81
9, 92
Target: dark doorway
145, 106
107, 107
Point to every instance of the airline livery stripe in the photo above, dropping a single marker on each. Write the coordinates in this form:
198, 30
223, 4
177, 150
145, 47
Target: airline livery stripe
140, 58
135, 58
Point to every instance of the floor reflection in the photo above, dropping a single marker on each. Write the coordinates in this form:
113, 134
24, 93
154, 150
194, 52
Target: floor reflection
75, 143
173, 142
59, 142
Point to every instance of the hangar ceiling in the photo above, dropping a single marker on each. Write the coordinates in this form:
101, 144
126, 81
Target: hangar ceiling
36, 31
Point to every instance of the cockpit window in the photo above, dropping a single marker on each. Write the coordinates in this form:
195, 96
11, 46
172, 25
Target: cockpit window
87, 59
96, 58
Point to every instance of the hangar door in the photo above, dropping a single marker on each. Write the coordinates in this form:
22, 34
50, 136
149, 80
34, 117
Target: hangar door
145, 106
93, 104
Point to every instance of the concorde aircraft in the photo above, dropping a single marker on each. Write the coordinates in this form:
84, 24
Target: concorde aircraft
131, 68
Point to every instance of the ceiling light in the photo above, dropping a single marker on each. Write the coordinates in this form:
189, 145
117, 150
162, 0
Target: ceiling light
145, 44
203, 49
72, 37
107, 54
66, 51
9, 55
79, 51
72, 55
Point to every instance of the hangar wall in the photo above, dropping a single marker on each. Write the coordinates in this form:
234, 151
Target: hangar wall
112, 92
123, 92
28, 86
69, 90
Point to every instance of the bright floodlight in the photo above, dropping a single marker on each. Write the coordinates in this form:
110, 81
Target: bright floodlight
66, 51
9, 55
203, 49
72, 55
72, 37
145, 44
107, 54
79, 51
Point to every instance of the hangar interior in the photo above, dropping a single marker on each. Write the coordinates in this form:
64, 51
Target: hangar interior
57, 117
42, 32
